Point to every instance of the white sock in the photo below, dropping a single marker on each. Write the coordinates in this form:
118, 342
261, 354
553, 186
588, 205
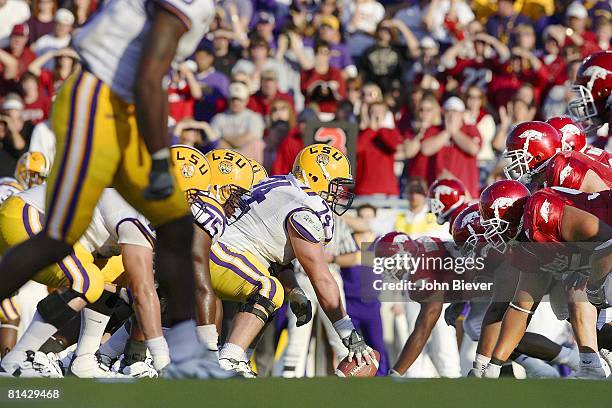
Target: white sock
159, 351
37, 333
568, 356
230, 350
92, 329
208, 336
116, 344
492, 371
590, 360
182, 340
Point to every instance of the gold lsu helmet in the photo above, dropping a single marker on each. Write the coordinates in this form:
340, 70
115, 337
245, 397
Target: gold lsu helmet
32, 169
327, 171
191, 168
259, 171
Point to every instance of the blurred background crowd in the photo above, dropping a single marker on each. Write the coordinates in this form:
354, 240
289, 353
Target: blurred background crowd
433, 87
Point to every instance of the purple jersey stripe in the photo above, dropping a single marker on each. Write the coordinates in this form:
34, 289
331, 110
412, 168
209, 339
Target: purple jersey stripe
234, 269
66, 272
83, 271
25, 214
85, 162
141, 227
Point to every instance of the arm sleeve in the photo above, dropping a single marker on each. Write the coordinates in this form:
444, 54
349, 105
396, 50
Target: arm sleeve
132, 231
189, 11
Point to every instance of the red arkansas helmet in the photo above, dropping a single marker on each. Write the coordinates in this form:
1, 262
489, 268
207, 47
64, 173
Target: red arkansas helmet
501, 211
468, 232
529, 146
444, 196
393, 243
592, 89
572, 134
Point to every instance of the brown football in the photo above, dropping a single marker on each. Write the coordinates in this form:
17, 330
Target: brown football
346, 369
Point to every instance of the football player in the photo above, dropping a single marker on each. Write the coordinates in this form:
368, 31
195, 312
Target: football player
446, 199
574, 138
534, 150
110, 123
289, 217
32, 169
116, 229
592, 87
551, 215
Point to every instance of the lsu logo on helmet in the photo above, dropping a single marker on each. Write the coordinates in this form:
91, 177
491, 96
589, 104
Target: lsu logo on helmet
190, 168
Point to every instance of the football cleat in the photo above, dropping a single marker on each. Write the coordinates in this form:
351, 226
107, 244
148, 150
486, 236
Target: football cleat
35, 365
91, 366
139, 369
239, 367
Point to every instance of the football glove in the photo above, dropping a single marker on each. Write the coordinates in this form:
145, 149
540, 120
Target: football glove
300, 306
160, 181
357, 348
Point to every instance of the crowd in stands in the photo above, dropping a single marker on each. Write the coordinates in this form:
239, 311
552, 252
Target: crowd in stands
433, 86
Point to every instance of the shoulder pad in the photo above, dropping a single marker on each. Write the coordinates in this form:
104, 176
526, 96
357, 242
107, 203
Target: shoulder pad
307, 224
209, 215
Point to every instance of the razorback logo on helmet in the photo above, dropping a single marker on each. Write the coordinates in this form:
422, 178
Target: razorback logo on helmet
442, 189
570, 130
545, 210
566, 171
595, 72
531, 134
468, 219
500, 203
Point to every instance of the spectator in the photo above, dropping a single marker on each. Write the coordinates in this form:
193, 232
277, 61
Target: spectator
353, 93
183, 90
18, 48
427, 124
64, 20
417, 221
446, 19
552, 57
66, 62
383, 62
604, 33
500, 24
323, 85
376, 148
412, 17
238, 13
82, 10
371, 94
226, 54
195, 134
240, 128
12, 13
455, 147
515, 112
264, 28
281, 123
329, 30
214, 85
425, 71
477, 115
261, 101
42, 22
36, 103
292, 144
361, 18
577, 33
14, 134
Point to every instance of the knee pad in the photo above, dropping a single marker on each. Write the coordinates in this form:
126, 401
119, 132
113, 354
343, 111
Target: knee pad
106, 303
55, 310
269, 308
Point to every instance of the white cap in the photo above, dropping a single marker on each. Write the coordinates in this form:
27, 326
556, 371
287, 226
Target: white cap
454, 104
576, 9
239, 90
12, 102
64, 16
428, 42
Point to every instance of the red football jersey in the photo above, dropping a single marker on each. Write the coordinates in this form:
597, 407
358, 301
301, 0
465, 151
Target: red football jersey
598, 155
568, 169
544, 211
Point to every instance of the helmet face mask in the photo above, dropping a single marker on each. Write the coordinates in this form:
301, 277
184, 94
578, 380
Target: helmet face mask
518, 169
582, 108
235, 205
495, 233
435, 206
32, 169
338, 195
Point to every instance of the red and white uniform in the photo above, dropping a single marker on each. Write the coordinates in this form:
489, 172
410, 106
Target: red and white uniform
598, 155
568, 169
544, 211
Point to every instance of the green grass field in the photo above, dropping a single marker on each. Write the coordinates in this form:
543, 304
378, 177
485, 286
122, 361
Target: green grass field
317, 393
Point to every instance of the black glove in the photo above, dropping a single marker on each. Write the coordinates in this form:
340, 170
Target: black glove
357, 347
597, 297
300, 306
452, 313
160, 181
575, 280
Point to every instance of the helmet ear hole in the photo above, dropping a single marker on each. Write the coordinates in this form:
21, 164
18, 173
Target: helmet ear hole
314, 178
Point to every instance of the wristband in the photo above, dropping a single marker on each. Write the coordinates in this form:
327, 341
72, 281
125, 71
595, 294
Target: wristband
344, 327
9, 326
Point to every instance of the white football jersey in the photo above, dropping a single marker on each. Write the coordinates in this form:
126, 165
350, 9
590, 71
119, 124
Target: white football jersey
262, 231
104, 236
8, 187
111, 43
208, 215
